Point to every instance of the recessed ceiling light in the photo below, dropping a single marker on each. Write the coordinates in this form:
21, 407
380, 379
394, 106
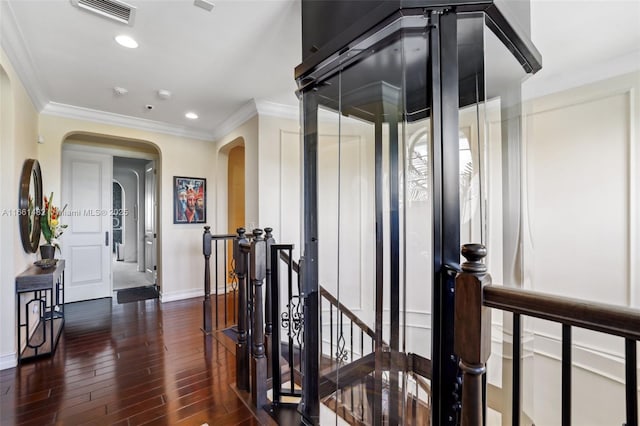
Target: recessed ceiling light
204, 4
126, 41
164, 94
120, 91
191, 115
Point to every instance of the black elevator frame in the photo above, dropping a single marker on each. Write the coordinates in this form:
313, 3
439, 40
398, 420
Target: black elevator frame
442, 74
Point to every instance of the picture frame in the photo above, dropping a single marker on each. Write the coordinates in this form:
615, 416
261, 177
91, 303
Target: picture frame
189, 200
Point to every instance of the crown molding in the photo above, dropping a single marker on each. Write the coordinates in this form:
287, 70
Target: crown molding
534, 88
244, 113
274, 109
96, 116
252, 108
12, 41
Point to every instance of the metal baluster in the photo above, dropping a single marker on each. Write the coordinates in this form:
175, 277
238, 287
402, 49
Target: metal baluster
516, 356
631, 381
300, 316
351, 338
566, 375
268, 329
331, 332
275, 348
224, 245
291, 323
341, 353
363, 389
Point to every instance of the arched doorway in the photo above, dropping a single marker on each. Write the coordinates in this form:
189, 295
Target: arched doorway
90, 163
236, 188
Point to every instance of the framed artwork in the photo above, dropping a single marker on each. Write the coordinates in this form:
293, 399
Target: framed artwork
189, 200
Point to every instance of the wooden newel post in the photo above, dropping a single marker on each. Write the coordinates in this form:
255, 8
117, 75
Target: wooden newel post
472, 338
241, 249
258, 270
206, 303
268, 328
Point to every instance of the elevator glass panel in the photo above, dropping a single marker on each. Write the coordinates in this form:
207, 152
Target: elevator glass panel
374, 227
375, 208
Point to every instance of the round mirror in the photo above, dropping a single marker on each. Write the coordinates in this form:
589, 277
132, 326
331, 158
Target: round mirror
30, 205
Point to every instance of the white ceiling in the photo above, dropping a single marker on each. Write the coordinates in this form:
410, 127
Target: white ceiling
217, 62
212, 62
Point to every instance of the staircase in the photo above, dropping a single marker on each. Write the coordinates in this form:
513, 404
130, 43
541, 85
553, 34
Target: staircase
270, 344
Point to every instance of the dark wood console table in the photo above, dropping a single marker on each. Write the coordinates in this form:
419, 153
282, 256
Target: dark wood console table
46, 288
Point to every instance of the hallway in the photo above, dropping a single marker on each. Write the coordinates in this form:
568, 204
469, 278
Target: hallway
128, 364
126, 275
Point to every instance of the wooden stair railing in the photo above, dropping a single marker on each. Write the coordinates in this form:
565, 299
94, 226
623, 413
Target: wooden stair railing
338, 376
250, 270
256, 266
472, 340
214, 245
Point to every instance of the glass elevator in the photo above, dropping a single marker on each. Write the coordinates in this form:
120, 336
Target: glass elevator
411, 147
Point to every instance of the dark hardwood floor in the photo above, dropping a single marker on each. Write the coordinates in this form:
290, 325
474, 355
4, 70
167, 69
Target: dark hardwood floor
129, 364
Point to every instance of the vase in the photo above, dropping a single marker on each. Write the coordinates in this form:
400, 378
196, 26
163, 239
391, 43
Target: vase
47, 251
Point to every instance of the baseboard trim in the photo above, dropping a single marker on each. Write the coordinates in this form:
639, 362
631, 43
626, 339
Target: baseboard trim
8, 361
181, 295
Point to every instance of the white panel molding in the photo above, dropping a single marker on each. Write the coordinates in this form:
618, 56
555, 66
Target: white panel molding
181, 295
81, 273
579, 97
588, 358
283, 132
413, 320
358, 141
87, 114
634, 189
9, 360
349, 138
410, 311
595, 361
594, 94
12, 41
361, 213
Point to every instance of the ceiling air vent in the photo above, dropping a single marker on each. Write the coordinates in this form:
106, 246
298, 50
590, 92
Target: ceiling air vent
113, 9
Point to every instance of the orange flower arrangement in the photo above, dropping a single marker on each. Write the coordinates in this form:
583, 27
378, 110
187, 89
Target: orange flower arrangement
50, 222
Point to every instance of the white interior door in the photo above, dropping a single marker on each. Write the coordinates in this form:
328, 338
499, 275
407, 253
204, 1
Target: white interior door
150, 235
87, 191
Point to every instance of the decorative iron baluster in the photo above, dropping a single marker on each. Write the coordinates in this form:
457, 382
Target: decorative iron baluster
233, 277
342, 354
268, 328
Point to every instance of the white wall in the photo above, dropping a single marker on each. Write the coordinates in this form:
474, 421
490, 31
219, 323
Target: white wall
246, 133
583, 170
180, 261
280, 178
127, 179
582, 163
130, 173
18, 141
